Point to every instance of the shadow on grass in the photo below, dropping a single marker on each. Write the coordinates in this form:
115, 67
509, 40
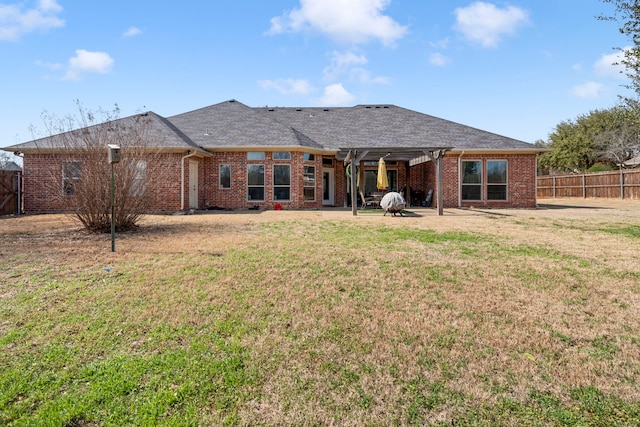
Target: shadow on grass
380, 212
556, 207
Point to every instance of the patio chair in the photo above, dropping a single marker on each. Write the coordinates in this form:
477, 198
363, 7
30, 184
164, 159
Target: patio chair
369, 202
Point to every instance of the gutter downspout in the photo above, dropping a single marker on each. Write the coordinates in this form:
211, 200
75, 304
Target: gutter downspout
460, 179
189, 154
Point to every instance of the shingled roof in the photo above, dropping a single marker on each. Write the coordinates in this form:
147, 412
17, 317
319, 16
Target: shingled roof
232, 125
160, 133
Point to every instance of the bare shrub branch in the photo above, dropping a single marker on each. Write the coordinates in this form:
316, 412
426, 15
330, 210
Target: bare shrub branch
83, 185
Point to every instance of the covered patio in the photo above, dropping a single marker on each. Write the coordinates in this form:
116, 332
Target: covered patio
408, 156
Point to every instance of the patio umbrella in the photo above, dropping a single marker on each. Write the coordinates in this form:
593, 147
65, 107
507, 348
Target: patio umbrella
383, 182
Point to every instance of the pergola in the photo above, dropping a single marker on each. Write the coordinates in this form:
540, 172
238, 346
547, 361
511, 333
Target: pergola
354, 156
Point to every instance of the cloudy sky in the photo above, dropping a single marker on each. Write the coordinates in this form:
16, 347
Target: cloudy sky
516, 67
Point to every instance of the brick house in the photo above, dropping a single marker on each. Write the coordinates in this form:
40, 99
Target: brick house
229, 155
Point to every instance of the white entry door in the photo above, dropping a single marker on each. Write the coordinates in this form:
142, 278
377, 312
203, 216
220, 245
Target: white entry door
328, 184
193, 185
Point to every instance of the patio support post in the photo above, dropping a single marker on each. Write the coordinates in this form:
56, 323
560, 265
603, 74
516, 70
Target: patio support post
436, 157
407, 189
354, 189
439, 184
354, 158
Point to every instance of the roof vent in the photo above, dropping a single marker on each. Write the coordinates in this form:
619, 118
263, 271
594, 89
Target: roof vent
386, 106
298, 109
271, 109
377, 106
326, 109
206, 132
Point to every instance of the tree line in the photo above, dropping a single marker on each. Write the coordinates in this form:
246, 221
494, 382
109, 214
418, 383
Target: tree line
603, 139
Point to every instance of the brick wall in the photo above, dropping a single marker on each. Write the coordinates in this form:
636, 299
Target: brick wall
521, 173
43, 174
236, 196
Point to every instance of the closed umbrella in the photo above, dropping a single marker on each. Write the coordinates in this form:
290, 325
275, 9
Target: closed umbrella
383, 182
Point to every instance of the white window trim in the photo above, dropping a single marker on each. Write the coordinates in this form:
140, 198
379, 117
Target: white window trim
220, 177
281, 186
263, 186
506, 184
480, 184
315, 169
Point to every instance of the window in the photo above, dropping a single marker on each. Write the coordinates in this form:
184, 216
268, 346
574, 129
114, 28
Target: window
255, 155
308, 157
281, 155
281, 182
371, 180
255, 182
496, 180
139, 179
472, 180
309, 183
71, 172
225, 176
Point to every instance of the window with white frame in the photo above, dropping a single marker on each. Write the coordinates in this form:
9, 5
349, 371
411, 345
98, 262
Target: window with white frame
496, 180
309, 183
281, 155
255, 182
255, 155
225, 176
71, 172
281, 182
471, 180
309, 157
139, 178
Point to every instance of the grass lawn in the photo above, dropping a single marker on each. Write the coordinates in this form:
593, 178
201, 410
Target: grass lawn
522, 317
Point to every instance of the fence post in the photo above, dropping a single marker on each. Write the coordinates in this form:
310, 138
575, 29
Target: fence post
621, 184
584, 186
554, 187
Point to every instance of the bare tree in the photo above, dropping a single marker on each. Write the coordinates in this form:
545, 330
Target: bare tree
4, 160
86, 172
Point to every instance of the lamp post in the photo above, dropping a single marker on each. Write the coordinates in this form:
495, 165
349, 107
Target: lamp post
114, 157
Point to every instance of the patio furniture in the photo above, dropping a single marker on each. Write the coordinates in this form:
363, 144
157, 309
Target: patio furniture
393, 202
369, 202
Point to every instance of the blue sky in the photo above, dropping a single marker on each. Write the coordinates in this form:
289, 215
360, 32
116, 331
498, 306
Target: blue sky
516, 68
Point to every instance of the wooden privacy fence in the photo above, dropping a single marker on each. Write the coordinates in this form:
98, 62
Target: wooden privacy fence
622, 184
10, 192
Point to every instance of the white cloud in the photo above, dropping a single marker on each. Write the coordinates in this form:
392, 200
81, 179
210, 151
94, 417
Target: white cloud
350, 64
51, 66
88, 62
485, 23
16, 21
335, 95
610, 65
364, 76
440, 44
132, 32
439, 60
342, 63
346, 21
288, 86
589, 90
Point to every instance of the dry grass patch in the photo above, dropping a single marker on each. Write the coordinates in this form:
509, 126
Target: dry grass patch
295, 318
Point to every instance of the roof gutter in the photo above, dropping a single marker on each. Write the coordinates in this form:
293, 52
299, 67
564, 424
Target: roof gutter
186, 156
